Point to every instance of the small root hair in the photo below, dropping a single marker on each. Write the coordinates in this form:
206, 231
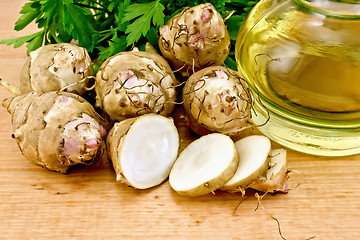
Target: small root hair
64, 89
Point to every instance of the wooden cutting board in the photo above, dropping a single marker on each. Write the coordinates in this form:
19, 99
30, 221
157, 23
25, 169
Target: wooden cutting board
87, 203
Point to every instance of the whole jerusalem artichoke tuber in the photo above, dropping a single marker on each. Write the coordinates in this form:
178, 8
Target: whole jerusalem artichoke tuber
56, 130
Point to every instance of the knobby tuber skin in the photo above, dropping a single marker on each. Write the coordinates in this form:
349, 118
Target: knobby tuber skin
194, 39
276, 177
113, 146
217, 99
143, 149
56, 130
133, 83
56, 67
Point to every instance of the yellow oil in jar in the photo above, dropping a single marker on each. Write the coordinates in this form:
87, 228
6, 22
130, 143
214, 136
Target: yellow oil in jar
304, 71
318, 83
291, 60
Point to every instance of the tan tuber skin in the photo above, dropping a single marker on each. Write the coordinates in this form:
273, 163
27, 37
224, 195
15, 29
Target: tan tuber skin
54, 67
114, 145
217, 99
276, 177
56, 130
194, 39
134, 83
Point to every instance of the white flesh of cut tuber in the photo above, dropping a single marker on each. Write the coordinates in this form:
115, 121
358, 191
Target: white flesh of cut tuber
143, 150
253, 162
204, 165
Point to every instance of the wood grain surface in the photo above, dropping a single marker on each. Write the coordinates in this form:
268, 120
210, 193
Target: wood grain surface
87, 203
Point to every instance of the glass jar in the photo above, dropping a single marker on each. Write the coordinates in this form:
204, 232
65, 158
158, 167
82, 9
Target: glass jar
302, 61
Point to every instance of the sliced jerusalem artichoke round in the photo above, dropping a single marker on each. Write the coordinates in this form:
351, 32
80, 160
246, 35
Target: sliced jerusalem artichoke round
204, 165
217, 99
56, 67
143, 149
56, 130
195, 38
133, 83
253, 162
275, 179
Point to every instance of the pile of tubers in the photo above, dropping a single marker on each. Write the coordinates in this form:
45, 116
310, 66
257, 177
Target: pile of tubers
131, 121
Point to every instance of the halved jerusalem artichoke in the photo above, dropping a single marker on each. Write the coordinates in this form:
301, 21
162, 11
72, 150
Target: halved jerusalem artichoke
143, 149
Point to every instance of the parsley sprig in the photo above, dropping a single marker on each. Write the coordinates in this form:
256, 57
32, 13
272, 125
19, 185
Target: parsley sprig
106, 27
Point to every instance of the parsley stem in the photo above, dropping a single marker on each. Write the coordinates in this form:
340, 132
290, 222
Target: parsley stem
105, 31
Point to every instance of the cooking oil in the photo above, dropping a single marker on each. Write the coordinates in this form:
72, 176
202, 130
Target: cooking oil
304, 71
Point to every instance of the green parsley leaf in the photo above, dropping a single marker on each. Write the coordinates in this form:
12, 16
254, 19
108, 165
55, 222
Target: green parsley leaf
34, 41
233, 25
105, 27
78, 24
143, 13
230, 63
116, 45
152, 37
30, 11
120, 21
